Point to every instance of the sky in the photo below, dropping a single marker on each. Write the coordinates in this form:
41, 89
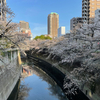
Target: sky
36, 12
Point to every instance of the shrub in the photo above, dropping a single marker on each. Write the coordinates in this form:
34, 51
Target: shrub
42, 37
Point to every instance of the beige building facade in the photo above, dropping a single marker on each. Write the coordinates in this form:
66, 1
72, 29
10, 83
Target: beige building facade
2, 12
24, 25
24, 28
53, 24
88, 9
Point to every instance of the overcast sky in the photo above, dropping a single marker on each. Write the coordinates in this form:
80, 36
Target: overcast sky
36, 11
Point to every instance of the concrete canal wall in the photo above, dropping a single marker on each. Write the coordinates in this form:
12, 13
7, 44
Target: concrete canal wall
56, 75
10, 70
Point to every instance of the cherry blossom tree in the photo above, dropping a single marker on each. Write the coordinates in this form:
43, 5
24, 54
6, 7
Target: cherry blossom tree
10, 36
79, 53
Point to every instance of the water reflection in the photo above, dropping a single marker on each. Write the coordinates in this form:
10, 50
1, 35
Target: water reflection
38, 85
23, 92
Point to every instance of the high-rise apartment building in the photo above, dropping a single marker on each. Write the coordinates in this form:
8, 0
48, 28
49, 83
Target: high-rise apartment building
53, 24
2, 11
88, 9
74, 22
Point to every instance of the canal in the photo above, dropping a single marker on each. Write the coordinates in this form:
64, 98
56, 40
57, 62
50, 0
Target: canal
35, 84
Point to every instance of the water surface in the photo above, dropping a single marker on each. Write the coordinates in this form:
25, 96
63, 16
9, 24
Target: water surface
39, 86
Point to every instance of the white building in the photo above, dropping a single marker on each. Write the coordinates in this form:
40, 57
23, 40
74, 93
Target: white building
61, 31
31, 36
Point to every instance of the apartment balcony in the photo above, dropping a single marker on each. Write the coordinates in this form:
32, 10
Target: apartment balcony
84, 1
84, 6
84, 16
3, 1
84, 21
84, 9
85, 13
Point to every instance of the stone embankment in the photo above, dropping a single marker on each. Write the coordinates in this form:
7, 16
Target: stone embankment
10, 71
74, 58
72, 93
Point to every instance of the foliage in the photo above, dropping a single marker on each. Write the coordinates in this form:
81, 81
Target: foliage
93, 87
42, 37
82, 56
23, 92
10, 37
9, 55
2, 54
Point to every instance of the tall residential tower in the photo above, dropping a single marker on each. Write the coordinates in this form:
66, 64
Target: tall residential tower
2, 12
88, 9
53, 24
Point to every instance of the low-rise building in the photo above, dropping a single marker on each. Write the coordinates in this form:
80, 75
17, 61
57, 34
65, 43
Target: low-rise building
74, 21
97, 13
24, 28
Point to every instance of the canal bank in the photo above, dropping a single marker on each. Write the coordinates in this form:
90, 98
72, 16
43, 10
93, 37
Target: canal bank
35, 84
58, 77
89, 88
10, 71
